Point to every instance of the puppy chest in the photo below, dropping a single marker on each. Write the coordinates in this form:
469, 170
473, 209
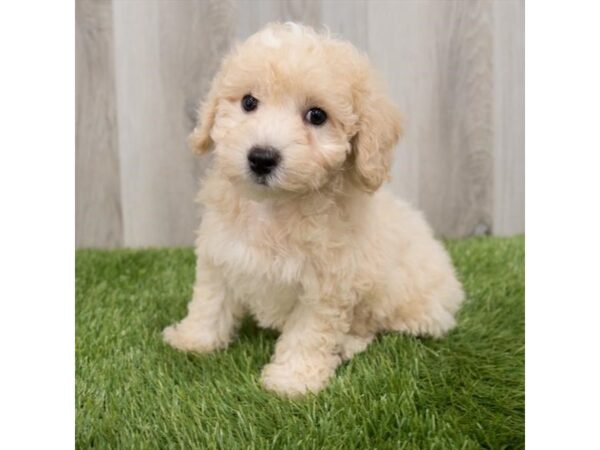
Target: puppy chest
264, 281
269, 302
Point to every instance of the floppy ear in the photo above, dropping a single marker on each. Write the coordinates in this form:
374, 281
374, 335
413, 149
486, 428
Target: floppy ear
379, 128
200, 140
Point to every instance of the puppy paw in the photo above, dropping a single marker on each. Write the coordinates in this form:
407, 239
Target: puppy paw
293, 383
187, 339
351, 345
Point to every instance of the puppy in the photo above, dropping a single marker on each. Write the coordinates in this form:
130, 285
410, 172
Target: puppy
295, 228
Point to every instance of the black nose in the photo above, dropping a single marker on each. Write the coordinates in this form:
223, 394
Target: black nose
263, 160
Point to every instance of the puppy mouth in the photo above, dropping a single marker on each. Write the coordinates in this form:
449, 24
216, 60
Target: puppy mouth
263, 180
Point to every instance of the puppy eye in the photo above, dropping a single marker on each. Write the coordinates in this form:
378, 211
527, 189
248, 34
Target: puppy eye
249, 103
315, 116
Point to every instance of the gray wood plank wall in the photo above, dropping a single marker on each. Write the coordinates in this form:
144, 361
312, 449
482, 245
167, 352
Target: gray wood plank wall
98, 216
454, 67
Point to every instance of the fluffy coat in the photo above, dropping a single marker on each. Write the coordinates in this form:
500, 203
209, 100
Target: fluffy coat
318, 251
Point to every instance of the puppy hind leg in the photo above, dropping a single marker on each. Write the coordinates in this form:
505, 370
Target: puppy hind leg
352, 344
428, 315
362, 331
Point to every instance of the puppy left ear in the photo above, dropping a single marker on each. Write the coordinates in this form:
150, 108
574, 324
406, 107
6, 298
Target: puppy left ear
379, 128
200, 140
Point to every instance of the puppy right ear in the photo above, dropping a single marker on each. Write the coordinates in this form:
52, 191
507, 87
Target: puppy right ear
200, 140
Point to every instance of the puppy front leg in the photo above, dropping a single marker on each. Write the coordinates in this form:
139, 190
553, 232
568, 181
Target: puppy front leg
212, 317
307, 352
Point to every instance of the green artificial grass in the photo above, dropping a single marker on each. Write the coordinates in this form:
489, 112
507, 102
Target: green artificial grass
133, 391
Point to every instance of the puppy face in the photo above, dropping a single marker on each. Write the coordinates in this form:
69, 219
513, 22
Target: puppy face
291, 109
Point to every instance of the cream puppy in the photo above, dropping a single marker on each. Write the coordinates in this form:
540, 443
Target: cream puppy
295, 228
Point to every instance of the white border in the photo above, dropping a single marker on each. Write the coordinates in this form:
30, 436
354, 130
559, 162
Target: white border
562, 224
37, 232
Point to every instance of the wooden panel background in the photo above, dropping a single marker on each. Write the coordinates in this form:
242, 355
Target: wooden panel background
454, 67
98, 216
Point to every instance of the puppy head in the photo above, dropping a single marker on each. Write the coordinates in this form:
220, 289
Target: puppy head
291, 109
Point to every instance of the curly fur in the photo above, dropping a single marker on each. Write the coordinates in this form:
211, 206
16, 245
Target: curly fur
321, 253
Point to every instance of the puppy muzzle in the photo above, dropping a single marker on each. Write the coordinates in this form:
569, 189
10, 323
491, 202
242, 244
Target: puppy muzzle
263, 161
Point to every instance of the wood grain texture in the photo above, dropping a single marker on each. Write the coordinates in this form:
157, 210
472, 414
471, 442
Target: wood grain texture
456, 170
166, 54
398, 44
347, 19
509, 117
97, 199
253, 15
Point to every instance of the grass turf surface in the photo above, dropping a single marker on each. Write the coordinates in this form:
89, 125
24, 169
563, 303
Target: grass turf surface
133, 391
